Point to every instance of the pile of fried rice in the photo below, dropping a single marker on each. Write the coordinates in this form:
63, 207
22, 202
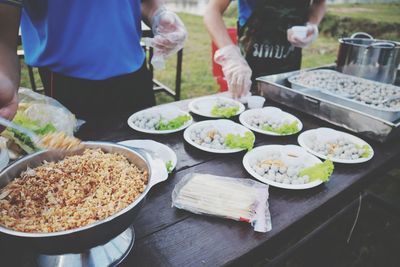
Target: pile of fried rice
74, 192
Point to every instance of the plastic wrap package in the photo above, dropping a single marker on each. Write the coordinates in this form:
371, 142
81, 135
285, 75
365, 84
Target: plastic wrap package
40, 114
44, 109
232, 198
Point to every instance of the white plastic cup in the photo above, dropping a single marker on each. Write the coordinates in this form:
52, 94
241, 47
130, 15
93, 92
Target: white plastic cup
255, 101
300, 31
158, 61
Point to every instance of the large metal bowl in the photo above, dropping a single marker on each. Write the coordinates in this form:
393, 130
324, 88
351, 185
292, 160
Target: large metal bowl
82, 238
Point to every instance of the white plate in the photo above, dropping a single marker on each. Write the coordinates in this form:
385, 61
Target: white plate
169, 111
204, 105
156, 149
243, 118
303, 156
228, 126
328, 132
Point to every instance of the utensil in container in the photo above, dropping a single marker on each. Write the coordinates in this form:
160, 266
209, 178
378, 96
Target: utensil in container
362, 56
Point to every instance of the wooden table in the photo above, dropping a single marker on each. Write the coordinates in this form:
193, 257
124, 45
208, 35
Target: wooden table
167, 236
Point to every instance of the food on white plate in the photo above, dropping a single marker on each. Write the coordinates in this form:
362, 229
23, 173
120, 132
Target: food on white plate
232, 198
216, 107
340, 147
272, 166
224, 109
271, 121
71, 193
335, 145
160, 120
155, 121
380, 95
156, 150
287, 166
211, 136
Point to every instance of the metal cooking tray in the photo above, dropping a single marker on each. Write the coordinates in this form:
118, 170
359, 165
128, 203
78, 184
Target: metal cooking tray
384, 113
311, 101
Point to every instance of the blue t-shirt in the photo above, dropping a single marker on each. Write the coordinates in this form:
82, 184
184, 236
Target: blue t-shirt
89, 39
245, 8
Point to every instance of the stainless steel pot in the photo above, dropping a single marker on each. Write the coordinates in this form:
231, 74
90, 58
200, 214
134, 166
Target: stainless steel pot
365, 57
82, 239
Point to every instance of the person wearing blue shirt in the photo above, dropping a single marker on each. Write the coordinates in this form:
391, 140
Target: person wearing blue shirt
271, 34
88, 52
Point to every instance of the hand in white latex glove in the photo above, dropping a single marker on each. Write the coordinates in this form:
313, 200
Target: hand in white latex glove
297, 41
169, 32
236, 70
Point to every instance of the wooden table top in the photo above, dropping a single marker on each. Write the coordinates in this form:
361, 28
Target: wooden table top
166, 236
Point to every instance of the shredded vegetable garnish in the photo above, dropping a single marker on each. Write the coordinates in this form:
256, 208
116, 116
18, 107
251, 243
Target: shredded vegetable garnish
288, 128
172, 124
239, 141
319, 171
225, 112
367, 151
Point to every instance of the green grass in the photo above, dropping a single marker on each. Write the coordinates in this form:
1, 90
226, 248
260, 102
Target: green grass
376, 12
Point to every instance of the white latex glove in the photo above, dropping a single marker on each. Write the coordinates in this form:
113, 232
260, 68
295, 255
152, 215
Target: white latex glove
312, 34
169, 34
236, 70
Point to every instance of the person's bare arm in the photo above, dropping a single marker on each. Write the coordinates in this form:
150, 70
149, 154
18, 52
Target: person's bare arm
317, 11
215, 23
9, 64
149, 7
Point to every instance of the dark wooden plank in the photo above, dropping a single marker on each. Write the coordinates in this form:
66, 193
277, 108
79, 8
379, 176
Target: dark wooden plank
157, 216
170, 237
200, 240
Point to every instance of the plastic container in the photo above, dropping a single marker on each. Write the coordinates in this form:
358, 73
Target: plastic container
4, 159
255, 101
300, 31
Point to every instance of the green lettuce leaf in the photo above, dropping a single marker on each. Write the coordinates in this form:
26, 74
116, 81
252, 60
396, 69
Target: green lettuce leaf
287, 128
22, 139
225, 112
35, 126
238, 141
367, 150
319, 171
169, 166
173, 124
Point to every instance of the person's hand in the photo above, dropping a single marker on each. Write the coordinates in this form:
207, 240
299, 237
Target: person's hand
236, 70
169, 32
312, 34
8, 105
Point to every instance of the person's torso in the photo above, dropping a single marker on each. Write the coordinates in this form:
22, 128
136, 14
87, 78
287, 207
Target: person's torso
262, 34
89, 39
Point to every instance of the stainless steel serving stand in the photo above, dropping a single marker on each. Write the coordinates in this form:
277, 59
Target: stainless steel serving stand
110, 254
277, 88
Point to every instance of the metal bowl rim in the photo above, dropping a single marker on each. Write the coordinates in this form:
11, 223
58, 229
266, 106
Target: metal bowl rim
346, 39
89, 226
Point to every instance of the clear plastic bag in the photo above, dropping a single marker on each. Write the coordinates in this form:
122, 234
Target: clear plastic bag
40, 114
44, 109
232, 198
